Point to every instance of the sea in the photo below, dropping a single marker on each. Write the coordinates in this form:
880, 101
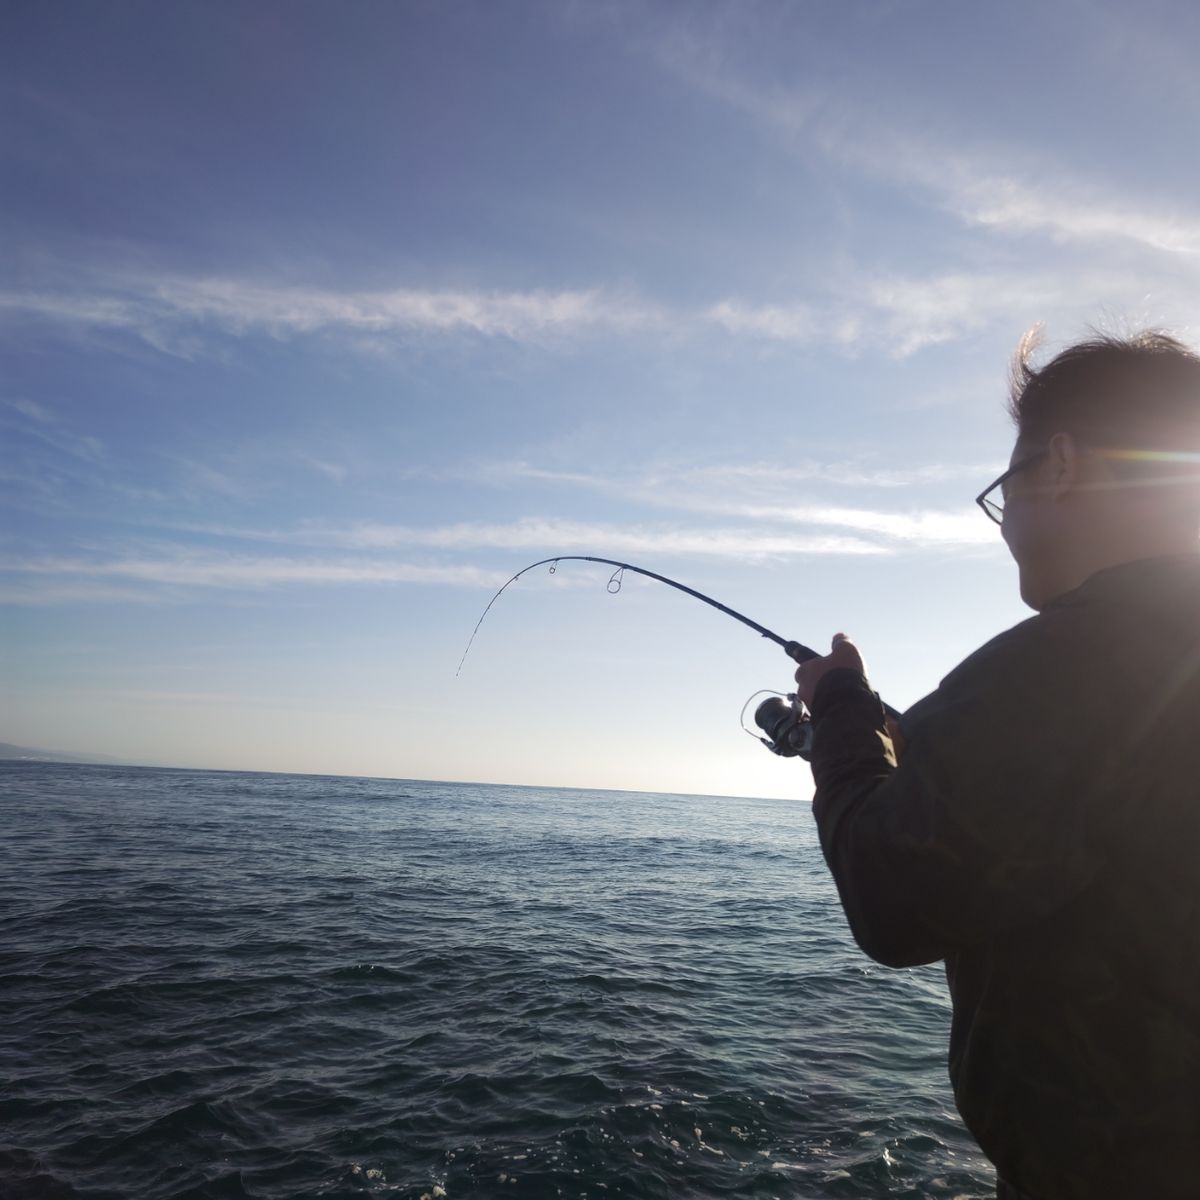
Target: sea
224, 984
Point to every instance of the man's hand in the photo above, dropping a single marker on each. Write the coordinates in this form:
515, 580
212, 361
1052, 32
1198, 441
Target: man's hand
808, 675
843, 654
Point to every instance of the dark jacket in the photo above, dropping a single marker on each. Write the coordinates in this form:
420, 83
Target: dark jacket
1042, 836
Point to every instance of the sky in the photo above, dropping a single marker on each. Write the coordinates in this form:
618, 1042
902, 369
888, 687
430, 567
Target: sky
321, 321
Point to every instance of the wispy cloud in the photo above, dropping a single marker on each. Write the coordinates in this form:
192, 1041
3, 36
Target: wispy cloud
772, 534
67, 579
168, 314
1067, 209
333, 471
997, 187
798, 322
928, 528
226, 700
899, 315
39, 591
40, 424
917, 312
845, 474
551, 535
663, 481
766, 495
893, 312
149, 307
229, 571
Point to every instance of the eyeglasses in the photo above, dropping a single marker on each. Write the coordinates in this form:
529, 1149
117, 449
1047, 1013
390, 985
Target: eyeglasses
991, 499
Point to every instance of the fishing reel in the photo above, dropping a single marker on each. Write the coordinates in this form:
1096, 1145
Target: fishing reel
785, 721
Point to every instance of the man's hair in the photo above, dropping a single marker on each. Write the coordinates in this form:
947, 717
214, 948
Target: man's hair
1138, 395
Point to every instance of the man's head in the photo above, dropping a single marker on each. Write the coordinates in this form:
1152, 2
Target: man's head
1109, 431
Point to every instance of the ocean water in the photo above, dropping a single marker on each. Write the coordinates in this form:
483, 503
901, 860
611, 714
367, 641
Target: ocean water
226, 985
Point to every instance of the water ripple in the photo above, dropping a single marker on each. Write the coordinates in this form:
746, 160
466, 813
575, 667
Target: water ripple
215, 984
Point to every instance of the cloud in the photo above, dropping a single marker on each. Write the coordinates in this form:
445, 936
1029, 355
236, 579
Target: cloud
755, 503
824, 533
848, 474
516, 315
930, 528
334, 472
40, 424
913, 313
898, 313
163, 312
1004, 201
785, 323
167, 314
31, 410
149, 307
999, 188
902, 314
916, 527
665, 484
38, 592
764, 510
550, 535
251, 572
74, 579
996, 187
766, 493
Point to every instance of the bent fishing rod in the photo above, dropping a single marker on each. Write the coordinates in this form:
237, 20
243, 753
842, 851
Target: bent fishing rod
783, 718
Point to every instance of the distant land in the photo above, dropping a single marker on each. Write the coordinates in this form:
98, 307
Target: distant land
30, 754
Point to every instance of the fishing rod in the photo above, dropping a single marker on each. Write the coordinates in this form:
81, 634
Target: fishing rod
782, 717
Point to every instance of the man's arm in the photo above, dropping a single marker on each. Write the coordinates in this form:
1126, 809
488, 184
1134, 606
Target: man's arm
980, 828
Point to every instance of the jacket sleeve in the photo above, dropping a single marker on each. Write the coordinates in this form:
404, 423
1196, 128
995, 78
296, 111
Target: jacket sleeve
987, 822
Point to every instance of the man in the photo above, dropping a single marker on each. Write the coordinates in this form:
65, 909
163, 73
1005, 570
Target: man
1040, 829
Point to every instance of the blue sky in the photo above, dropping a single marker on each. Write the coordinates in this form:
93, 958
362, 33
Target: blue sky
320, 321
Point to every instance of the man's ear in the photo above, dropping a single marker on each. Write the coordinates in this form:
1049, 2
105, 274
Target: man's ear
1064, 465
